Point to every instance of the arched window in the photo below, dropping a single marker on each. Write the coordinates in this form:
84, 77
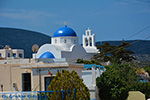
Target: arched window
90, 41
86, 41
88, 33
55, 40
65, 41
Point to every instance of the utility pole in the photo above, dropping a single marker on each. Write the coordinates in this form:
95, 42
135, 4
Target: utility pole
40, 79
1, 87
10, 77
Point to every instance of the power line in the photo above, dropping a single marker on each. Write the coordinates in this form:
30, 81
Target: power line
138, 32
147, 37
126, 45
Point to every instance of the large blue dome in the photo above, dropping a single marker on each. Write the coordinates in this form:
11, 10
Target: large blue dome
64, 31
47, 55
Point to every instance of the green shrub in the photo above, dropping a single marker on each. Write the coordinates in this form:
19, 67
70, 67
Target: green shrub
66, 80
115, 83
147, 69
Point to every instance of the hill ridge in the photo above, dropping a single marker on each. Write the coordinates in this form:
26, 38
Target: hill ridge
137, 46
22, 39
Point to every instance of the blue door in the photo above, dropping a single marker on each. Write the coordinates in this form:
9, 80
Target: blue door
47, 82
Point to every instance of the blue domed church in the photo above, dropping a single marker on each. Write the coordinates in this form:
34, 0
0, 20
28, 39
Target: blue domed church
64, 45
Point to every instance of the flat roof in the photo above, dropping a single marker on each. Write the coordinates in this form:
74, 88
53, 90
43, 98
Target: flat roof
45, 65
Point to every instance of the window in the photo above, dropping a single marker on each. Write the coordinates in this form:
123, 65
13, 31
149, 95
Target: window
87, 73
8, 55
14, 54
90, 41
55, 40
20, 55
65, 41
47, 82
86, 41
87, 32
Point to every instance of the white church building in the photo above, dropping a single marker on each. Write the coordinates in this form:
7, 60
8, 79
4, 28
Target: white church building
65, 45
24, 74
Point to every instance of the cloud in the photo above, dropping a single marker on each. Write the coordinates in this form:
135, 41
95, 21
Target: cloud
140, 2
24, 14
140, 6
143, 1
26, 18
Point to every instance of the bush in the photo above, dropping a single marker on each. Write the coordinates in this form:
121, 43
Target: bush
118, 80
68, 81
115, 83
86, 61
142, 87
147, 69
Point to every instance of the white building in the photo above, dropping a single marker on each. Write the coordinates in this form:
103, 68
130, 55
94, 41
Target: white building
11, 53
89, 79
33, 74
64, 44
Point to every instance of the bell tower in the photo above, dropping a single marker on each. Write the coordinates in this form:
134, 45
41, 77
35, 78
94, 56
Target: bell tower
88, 41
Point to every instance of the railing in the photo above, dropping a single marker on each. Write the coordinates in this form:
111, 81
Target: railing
38, 95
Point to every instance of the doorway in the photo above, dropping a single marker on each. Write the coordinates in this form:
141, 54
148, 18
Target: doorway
47, 81
26, 81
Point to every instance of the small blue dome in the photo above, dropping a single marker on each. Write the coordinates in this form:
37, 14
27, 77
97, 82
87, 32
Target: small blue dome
47, 55
64, 31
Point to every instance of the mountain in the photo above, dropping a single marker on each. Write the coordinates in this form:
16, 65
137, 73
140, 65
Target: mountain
22, 39
139, 47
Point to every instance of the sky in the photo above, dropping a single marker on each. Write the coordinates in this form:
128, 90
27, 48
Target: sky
108, 19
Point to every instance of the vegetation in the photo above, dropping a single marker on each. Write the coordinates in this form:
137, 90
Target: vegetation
68, 81
118, 80
139, 47
142, 87
87, 61
121, 77
147, 69
114, 54
115, 83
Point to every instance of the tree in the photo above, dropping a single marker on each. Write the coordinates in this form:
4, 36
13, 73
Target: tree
114, 54
86, 61
147, 69
118, 80
68, 81
143, 87
115, 83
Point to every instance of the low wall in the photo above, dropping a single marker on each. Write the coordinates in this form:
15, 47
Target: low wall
27, 61
15, 61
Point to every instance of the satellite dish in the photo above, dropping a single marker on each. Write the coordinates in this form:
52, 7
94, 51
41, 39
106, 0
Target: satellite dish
35, 48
